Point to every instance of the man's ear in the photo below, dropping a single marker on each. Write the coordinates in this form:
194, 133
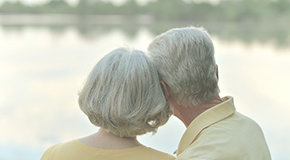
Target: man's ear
217, 71
166, 90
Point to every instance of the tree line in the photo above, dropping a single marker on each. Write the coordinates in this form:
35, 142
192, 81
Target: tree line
177, 10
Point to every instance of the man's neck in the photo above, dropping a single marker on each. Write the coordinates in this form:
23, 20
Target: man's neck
189, 113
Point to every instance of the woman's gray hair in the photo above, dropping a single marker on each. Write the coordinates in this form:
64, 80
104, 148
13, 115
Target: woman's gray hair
123, 94
185, 61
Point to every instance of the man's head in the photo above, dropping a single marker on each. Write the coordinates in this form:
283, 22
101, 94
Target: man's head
185, 61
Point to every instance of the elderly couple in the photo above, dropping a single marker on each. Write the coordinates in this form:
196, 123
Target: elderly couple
128, 94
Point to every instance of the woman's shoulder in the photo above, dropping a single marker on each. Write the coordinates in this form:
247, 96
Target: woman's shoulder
48, 153
151, 153
58, 149
75, 149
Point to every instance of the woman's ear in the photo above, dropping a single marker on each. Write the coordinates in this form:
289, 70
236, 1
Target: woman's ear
166, 90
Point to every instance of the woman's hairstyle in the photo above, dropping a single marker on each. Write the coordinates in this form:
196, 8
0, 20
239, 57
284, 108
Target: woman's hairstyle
185, 61
123, 94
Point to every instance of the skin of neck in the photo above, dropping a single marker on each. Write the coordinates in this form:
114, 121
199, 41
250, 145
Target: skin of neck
187, 113
106, 140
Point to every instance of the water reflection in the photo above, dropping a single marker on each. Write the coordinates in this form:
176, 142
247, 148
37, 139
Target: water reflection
278, 33
43, 67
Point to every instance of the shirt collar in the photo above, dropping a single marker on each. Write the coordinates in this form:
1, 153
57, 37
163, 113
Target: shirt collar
205, 119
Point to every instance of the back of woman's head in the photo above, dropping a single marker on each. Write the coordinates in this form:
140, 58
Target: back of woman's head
123, 95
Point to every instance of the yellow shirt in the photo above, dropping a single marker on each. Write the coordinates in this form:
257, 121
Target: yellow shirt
76, 150
221, 133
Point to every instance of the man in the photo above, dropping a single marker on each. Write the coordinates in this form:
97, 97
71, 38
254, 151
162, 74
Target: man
185, 60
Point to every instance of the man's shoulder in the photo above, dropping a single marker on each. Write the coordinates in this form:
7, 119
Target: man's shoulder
236, 128
235, 137
237, 118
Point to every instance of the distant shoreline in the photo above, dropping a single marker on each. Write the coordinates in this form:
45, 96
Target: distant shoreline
48, 19
91, 19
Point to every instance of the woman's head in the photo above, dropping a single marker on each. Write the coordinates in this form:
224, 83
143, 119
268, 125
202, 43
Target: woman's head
123, 95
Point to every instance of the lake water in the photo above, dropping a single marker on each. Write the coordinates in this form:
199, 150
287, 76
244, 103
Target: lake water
43, 67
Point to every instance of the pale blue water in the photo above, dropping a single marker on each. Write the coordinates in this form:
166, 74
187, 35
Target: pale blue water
42, 71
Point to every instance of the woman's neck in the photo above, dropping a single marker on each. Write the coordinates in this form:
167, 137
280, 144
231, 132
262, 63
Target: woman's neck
108, 141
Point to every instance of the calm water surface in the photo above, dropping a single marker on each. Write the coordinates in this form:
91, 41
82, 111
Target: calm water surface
42, 71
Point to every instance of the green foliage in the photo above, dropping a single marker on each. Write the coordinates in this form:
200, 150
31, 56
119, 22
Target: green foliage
16, 7
59, 6
168, 10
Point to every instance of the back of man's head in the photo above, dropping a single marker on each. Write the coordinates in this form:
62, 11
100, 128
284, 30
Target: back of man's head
185, 61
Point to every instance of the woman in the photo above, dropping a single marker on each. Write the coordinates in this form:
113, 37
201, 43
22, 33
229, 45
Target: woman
123, 97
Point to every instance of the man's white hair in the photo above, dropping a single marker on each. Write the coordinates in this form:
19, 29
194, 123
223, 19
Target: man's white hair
123, 94
184, 58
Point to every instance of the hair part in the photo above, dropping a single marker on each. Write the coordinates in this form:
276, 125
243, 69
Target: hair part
123, 94
185, 61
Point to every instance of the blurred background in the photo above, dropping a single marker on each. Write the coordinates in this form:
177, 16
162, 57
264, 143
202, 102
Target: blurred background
48, 47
